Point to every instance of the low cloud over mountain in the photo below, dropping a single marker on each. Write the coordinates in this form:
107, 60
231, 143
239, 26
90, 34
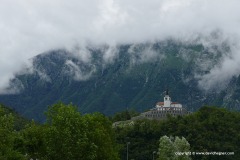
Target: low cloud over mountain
31, 27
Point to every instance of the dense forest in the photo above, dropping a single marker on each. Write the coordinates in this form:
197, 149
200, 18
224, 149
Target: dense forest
67, 134
210, 129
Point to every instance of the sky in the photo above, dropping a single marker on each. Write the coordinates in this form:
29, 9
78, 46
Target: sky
28, 28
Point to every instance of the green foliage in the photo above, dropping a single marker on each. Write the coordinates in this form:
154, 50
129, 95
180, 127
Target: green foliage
210, 129
102, 135
18, 121
67, 135
34, 140
124, 115
182, 145
143, 137
169, 147
8, 137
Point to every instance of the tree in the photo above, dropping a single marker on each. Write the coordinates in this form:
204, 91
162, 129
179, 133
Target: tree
70, 135
182, 146
100, 133
166, 149
66, 136
124, 115
8, 137
33, 140
209, 129
169, 147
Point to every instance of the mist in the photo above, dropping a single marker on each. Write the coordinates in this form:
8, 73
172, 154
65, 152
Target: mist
29, 28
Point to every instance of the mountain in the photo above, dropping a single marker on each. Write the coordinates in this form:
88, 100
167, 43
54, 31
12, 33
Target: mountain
111, 79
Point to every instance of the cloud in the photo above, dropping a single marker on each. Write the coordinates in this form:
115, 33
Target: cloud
29, 27
220, 75
110, 54
78, 72
141, 53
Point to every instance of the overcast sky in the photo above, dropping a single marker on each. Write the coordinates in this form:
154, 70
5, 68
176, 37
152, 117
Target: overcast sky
30, 27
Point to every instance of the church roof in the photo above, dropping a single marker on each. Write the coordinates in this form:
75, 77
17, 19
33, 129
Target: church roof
175, 103
162, 103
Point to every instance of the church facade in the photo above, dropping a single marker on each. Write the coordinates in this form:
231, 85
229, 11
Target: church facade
162, 109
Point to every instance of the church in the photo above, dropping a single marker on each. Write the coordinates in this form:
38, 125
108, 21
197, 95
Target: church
162, 109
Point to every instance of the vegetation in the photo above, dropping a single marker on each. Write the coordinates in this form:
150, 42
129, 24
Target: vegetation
8, 135
124, 115
18, 121
210, 129
67, 134
169, 148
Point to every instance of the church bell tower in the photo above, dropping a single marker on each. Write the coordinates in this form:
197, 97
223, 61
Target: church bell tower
167, 100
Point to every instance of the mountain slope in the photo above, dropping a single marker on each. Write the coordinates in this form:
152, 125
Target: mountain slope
114, 79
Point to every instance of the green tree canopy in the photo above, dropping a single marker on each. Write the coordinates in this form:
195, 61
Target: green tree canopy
8, 136
69, 135
169, 148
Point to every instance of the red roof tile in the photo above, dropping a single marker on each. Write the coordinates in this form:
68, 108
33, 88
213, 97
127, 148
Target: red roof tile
160, 103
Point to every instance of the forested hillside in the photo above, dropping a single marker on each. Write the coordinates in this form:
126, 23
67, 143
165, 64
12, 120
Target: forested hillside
208, 130
112, 79
67, 134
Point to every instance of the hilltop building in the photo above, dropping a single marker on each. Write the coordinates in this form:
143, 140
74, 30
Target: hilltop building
162, 109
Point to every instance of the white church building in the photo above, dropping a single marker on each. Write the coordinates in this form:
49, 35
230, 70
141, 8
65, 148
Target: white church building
162, 109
